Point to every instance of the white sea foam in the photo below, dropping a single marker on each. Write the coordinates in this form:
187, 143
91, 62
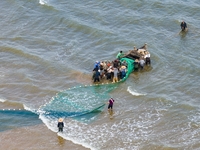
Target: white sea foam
93, 137
52, 125
134, 92
29, 109
73, 124
76, 142
2, 100
42, 2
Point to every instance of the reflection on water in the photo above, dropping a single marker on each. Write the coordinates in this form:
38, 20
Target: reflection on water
61, 141
110, 113
183, 34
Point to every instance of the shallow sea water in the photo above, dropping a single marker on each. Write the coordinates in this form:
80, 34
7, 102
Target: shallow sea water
48, 46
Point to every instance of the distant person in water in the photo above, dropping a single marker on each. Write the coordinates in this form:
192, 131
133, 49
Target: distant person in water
60, 125
183, 26
110, 103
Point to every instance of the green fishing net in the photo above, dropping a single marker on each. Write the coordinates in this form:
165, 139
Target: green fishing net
82, 99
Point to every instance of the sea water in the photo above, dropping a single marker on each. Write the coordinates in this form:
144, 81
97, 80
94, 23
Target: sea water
50, 46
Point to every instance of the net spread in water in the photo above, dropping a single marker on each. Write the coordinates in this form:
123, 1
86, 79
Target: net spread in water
82, 99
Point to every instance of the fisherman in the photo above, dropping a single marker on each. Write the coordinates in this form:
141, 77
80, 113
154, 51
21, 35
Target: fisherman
119, 55
108, 73
96, 76
110, 103
116, 63
144, 47
142, 62
115, 77
123, 71
134, 48
136, 64
183, 25
147, 58
97, 65
124, 63
60, 125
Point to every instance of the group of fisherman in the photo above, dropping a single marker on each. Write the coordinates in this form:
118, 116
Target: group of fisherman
113, 71
116, 70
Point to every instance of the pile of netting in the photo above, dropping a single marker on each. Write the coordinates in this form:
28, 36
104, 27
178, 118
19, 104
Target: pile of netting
82, 99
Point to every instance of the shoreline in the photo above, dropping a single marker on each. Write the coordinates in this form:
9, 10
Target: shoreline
33, 138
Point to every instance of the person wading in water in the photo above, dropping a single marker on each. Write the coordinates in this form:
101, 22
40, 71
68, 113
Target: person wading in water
60, 125
110, 103
183, 26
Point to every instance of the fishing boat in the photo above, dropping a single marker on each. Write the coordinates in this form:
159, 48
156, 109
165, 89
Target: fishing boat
133, 60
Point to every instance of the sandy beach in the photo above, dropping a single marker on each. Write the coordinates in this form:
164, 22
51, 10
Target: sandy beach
35, 138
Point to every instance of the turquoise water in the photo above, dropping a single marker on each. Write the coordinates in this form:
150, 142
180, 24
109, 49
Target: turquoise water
49, 46
11, 119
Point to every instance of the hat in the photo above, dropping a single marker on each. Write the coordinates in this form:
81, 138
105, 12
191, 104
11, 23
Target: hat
123, 67
60, 120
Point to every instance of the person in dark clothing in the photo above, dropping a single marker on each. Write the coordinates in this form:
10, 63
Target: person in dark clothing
147, 58
110, 103
183, 25
96, 76
60, 125
94, 72
96, 68
116, 63
109, 73
136, 65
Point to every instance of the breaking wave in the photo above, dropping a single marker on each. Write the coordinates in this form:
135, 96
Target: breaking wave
134, 92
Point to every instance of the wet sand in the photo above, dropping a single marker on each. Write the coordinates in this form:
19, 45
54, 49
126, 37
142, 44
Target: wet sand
35, 138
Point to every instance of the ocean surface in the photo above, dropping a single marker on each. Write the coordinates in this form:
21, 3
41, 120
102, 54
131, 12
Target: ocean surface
49, 46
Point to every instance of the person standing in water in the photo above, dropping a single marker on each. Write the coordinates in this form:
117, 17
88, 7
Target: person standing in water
60, 125
110, 103
183, 26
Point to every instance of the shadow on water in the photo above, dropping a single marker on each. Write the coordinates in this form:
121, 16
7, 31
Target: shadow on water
11, 119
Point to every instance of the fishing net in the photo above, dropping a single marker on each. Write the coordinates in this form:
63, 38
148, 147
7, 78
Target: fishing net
82, 99
130, 67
